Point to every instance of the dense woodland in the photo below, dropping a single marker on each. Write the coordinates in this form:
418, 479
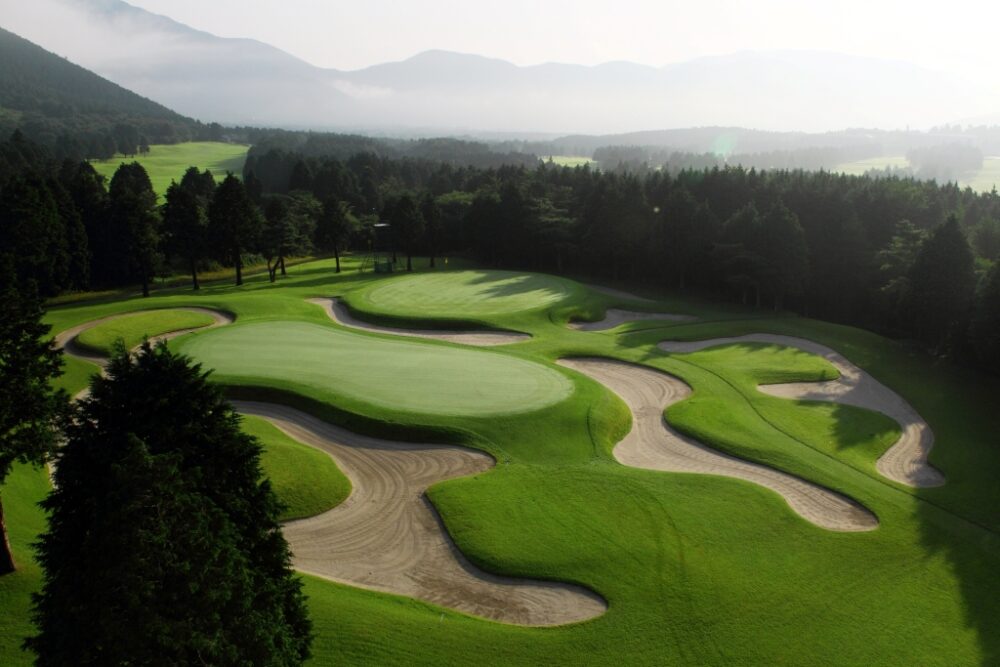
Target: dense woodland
908, 258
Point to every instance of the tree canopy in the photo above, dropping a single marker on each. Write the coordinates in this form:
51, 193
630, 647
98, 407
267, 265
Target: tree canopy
163, 544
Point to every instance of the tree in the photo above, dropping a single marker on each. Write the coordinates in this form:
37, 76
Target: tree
784, 251
234, 223
986, 321
941, 286
407, 225
738, 257
29, 407
432, 224
163, 545
133, 215
32, 235
185, 226
289, 223
334, 227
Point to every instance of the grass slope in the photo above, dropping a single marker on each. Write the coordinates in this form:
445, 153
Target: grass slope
168, 162
131, 329
306, 479
696, 569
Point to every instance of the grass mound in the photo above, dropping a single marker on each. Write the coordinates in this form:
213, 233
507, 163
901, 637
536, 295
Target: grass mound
306, 480
463, 294
131, 329
401, 375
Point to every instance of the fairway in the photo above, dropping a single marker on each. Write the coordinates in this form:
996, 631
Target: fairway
398, 375
463, 294
168, 162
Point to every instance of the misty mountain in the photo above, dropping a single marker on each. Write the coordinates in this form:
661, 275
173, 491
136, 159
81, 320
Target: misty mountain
243, 81
54, 101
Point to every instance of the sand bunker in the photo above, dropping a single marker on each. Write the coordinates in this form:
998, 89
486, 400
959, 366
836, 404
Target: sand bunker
614, 317
386, 536
906, 461
653, 445
339, 313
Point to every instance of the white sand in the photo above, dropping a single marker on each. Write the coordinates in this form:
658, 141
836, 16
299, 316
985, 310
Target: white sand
653, 445
906, 461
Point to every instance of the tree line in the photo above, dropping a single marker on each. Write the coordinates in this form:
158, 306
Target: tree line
908, 258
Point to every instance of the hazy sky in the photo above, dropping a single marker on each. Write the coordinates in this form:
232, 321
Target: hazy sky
958, 36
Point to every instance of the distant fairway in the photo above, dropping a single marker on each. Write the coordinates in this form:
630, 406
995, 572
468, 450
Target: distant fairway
167, 162
983, 180
569, 160
398, 375
463, 294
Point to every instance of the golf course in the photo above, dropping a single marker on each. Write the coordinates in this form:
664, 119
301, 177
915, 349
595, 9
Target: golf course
519, 468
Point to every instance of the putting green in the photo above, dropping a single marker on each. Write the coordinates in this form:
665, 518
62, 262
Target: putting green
132, 328
397, 375
458, 294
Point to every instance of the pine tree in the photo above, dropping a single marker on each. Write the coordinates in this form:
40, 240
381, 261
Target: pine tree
986, 321
234, 223
163, 545
941, 286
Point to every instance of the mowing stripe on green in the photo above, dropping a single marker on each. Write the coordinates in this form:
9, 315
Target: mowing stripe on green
401, 375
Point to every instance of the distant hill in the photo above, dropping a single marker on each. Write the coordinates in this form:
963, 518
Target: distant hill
74, 111
246, 82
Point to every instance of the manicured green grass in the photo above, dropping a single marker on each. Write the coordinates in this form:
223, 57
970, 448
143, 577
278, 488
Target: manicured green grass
131, 329
168, 162
696, 569
463, 294
392, 374
306, 480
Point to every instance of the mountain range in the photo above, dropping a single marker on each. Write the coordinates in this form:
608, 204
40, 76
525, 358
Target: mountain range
247, 82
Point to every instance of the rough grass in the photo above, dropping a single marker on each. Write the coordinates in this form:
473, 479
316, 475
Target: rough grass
132, 329
697, 569
306, 480
167, 162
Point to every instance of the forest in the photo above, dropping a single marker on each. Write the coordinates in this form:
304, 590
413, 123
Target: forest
908, 258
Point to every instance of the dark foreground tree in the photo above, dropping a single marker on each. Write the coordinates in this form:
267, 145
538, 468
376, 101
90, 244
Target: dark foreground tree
163, 545
28, 405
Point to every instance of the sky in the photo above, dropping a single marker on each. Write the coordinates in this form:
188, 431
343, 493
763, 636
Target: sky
959, 36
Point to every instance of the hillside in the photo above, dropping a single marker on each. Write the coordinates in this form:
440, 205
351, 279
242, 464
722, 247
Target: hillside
247, 82
74, 111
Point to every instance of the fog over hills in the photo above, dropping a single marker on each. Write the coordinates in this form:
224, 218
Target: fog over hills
243, 81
